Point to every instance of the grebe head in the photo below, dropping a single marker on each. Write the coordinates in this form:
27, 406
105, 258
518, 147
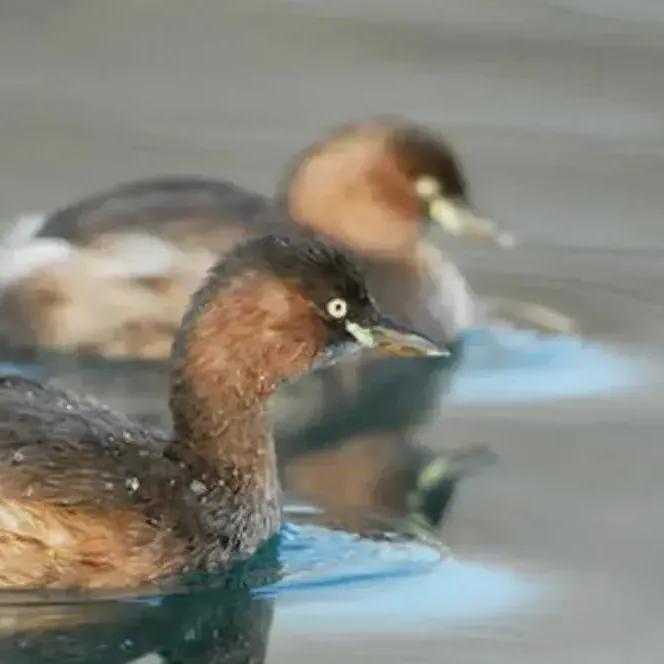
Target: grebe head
377, 187
275, 308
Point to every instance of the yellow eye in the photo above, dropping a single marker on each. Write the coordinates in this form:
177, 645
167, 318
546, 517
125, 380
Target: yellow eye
337, 308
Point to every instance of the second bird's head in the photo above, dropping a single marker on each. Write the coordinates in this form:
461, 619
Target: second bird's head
378, 187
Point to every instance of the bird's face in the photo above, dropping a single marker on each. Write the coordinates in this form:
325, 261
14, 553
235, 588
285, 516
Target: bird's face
338, 296
278, 307
436, 180
352, 326
377, 187
335, 290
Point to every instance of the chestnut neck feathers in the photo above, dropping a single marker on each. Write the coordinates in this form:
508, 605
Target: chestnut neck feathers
254, 333
250, 326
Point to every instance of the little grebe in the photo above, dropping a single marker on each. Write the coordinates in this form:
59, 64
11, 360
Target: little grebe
89, 499
370, 187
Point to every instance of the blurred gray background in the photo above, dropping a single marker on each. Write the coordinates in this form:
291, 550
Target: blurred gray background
557, 109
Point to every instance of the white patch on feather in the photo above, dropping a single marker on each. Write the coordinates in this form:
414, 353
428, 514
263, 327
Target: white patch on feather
17, 263
22, 254
138, 255
128, 255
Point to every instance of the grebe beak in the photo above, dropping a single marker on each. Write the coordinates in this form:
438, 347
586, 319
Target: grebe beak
387, 336
455, 216
459, 220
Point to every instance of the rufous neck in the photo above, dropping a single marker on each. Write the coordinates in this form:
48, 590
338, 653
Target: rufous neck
233, 350
235, 448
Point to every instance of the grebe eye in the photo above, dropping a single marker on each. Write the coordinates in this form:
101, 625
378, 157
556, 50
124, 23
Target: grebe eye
337, 308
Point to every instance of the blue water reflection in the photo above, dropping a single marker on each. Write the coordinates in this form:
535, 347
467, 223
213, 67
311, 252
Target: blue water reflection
347, 583
507, 365
314, 557
450, 594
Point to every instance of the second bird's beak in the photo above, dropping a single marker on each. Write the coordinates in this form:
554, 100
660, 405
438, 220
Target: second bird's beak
455, 217
458, 219
389, 337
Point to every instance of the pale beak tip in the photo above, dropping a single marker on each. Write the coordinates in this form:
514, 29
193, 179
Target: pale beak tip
423, 347
389, 338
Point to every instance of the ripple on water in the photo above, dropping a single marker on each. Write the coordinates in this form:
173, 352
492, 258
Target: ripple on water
316, 556
412, 584
452, 594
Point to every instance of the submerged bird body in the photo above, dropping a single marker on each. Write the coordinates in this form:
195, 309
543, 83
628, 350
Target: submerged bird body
90, 499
